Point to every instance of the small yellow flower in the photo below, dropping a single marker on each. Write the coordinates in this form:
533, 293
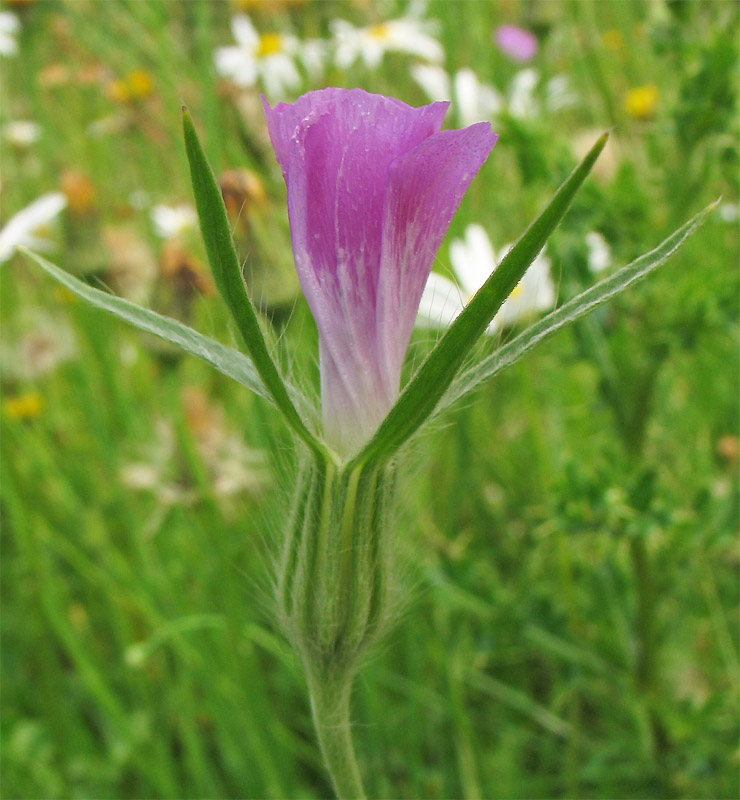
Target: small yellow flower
24, 406
137, 85
641, 101
612, 40
140, 84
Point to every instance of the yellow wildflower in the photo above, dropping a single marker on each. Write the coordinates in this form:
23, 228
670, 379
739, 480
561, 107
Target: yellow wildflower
640, 102
23, 406
137, 85
140, 84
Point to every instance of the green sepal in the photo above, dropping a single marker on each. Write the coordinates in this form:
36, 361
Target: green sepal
420, 396
214, 226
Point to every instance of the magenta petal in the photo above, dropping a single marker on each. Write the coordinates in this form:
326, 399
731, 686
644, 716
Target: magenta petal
515, 42
424, 190
372, 185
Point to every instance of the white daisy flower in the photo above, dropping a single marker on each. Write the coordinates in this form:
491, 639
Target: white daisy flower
472, 100
23, 227
599, 252
21, 132
171, 221
473, 260
9, 27
404, 35
266, 58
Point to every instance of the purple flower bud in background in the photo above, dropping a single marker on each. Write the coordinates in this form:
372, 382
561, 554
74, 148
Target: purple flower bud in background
372, 187
517, 43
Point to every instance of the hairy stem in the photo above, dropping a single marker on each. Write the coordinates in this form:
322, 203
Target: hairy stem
330, 706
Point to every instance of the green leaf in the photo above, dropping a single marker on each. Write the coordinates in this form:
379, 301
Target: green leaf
225, 359
214, 226
428, 385
575, 308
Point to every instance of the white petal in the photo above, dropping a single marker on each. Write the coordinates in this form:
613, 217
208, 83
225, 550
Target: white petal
433, 80
466, 95
372, 53
729, 212
474, 260
234, 63
21, 227
279, 75
170, 221
409, 36
522, 102
244, 32
22, 133
599, 252
313, 53
9, 23
8, 45
441, 302
558, 93
535, 292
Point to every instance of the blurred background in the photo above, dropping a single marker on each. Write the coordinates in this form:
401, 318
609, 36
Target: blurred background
568, 537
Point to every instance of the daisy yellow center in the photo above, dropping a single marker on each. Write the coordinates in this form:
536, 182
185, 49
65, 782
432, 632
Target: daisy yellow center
516, 290
379, 31
269, 44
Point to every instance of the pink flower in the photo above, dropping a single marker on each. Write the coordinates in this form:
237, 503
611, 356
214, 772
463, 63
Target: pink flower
372, 186
515, 42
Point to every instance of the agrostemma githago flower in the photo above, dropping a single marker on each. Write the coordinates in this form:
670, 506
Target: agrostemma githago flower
372, 186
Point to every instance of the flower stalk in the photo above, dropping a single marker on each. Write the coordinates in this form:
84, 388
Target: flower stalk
331, 716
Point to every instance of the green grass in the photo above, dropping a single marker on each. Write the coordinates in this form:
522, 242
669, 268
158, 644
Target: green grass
567, 539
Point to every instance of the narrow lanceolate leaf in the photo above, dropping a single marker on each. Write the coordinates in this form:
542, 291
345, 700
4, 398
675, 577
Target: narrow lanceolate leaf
574, 309
225, 359
214, 226
428, 385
